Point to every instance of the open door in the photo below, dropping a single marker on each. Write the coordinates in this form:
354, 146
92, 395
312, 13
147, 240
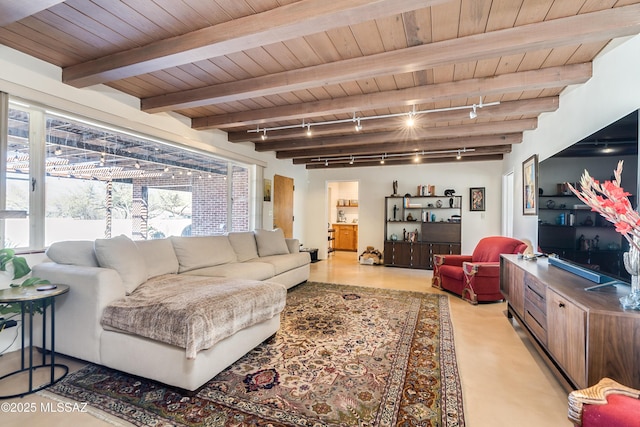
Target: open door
283, 204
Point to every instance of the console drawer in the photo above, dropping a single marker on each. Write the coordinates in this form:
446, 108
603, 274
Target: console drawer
530, 282
532, 298
536, 321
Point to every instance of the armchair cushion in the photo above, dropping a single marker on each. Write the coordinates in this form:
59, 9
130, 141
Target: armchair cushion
607, 403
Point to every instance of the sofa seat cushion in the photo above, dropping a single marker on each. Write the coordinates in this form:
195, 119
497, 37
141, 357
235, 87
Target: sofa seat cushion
284, 263
238, 270
452, 272
194, 312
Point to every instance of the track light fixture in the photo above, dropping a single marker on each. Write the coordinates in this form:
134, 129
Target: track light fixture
415, 156
58, 151
473, 113
137, 165
411, 119
358, 126
459, 156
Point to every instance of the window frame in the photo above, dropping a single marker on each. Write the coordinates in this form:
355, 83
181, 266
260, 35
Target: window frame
38, 116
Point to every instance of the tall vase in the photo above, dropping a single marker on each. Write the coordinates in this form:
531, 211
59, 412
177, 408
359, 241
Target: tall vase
632, 265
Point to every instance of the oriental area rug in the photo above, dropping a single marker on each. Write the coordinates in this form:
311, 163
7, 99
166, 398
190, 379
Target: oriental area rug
344, 356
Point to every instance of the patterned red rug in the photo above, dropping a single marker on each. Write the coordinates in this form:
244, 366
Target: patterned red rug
344, 356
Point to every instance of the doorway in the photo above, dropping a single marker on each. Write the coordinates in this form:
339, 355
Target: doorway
342, 214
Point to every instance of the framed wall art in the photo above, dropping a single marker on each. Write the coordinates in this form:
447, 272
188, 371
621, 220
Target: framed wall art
267, 190
476, 197
530, 186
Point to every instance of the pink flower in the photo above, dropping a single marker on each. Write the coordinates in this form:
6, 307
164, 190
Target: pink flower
611, 201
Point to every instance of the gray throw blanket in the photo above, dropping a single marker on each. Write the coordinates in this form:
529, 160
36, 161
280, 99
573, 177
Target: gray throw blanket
194, 312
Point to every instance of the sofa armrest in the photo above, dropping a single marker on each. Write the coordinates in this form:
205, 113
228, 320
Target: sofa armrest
456, 260
596, 395
293, 245
78, 312
491, 269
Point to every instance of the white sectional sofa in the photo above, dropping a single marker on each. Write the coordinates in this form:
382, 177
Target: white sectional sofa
239, 279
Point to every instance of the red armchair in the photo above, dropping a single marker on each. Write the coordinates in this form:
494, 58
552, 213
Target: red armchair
605, 404
475, 277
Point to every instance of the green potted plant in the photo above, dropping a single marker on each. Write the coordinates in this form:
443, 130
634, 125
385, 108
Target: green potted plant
21, 269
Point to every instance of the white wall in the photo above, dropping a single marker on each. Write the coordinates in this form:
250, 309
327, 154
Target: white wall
612, 93
376, 183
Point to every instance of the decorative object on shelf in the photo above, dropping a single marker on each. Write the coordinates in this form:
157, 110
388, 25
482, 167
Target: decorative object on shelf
410, 217
395, 211
449, 192
476, 199
550, 204
451, 202
439, 204
530, 186
395, 188
611, 201
632, 265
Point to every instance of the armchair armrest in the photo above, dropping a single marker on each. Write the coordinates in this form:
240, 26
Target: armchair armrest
596, 395
446, 259
491, 269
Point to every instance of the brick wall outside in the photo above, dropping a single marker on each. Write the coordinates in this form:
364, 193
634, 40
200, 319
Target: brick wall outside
208, 199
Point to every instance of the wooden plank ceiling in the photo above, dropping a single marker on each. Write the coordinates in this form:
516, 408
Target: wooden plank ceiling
279, 68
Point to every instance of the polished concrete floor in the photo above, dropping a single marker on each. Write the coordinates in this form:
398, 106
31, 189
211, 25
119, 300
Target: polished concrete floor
504, 381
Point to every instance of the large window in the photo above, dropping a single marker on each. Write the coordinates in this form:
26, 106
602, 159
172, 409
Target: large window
102, 182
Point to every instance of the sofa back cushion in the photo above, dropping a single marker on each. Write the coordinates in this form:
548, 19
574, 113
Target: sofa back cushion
244, 245
202, 251
74, 252
271, 242
121, 254
159, 257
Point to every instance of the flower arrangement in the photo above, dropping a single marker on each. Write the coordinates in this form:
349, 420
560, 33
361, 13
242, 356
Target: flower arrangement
611, 201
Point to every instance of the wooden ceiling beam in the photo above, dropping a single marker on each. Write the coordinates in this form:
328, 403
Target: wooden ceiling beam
505, 109
480, 151
497, 85
400, 147
14, 10
286, 22
573, 30
400, 162
413, 134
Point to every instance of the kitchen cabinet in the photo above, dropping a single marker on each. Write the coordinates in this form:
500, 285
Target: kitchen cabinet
346, 237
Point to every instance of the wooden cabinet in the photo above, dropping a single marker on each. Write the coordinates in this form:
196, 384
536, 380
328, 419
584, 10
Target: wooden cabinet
416, 228
346, 236
582, 335
566, 337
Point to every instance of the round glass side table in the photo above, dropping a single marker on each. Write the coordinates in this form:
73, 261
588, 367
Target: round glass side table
30, 298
